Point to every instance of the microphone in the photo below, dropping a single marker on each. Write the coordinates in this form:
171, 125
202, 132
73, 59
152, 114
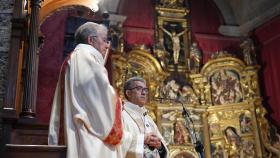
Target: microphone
198, 145
185, 111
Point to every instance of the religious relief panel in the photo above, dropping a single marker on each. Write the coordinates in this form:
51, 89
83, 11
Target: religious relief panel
175, 91
234, 146
228, 88
217, 150
177, 133
245, 120
231, 133
225, 87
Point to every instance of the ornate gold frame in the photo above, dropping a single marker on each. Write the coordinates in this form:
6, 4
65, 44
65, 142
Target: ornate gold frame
167, 113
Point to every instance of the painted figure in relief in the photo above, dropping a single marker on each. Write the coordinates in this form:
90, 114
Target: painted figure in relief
233, 143
218, 151
245, 122
214, 126
180, 134
225, 87
187, 95
170, 90
248, 149
168, 134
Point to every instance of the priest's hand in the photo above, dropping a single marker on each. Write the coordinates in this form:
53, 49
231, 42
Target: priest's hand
152, 140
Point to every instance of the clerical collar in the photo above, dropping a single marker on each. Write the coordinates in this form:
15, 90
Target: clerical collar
141, 110
92, 50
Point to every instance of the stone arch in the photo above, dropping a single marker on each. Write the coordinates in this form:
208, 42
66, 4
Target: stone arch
49, 6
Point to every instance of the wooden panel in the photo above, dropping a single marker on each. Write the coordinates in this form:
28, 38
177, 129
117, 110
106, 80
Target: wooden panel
34, 151
24, 132
29, 133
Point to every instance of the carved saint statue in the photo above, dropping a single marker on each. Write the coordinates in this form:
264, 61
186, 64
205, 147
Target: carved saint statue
180, 134
248, 50
195, 56
116, 33
161, 53
188, 96
170, 90
245, 122
175, 37
233, 143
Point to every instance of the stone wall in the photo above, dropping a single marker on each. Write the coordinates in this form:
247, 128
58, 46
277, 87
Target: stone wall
6, 12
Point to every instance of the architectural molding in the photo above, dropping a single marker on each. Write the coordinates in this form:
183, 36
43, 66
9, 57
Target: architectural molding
115, 18
49, 6
244, 29
226, 11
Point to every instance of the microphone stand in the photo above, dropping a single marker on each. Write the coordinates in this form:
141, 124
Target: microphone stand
198, 145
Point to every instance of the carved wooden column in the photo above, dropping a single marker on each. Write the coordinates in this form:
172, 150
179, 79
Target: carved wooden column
31, 62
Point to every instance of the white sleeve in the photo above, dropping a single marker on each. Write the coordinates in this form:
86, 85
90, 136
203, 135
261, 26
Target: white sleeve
93, 98
133, 142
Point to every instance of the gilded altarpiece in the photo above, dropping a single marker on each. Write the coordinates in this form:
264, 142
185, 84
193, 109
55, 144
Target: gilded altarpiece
222, 97
223, 102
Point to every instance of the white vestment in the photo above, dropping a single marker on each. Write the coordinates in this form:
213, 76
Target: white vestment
136, 123
89, 107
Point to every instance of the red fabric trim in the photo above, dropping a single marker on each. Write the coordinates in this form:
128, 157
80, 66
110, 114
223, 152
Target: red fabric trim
116, 132
61, 139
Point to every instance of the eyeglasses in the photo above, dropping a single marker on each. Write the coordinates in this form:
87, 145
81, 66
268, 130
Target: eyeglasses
140, 88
